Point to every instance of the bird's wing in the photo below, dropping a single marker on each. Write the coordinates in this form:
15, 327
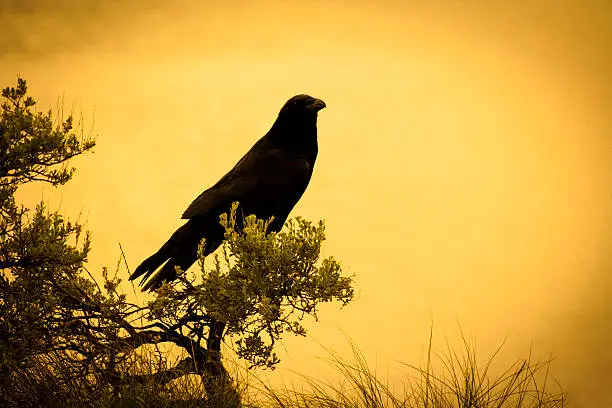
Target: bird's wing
267, 169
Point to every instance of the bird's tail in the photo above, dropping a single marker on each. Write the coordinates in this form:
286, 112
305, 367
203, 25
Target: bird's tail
180, 250
149, 265
166, 274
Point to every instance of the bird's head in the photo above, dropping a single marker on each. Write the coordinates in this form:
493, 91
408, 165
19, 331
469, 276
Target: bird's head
296, 125
302, 106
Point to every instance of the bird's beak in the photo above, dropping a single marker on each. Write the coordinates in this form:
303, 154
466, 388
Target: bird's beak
317, 105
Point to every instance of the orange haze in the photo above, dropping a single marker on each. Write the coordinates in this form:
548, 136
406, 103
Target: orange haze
465, 155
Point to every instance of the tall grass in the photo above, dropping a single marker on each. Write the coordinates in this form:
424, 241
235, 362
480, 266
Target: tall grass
454, 379
459, 381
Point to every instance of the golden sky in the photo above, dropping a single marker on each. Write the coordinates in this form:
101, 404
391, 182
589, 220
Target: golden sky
464, 169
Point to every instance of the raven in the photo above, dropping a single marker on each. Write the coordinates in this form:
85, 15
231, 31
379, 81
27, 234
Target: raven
267, 181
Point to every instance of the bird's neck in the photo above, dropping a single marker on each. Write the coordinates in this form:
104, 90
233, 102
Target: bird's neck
299, 136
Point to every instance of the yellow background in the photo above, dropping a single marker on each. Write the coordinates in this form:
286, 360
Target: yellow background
464, 169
